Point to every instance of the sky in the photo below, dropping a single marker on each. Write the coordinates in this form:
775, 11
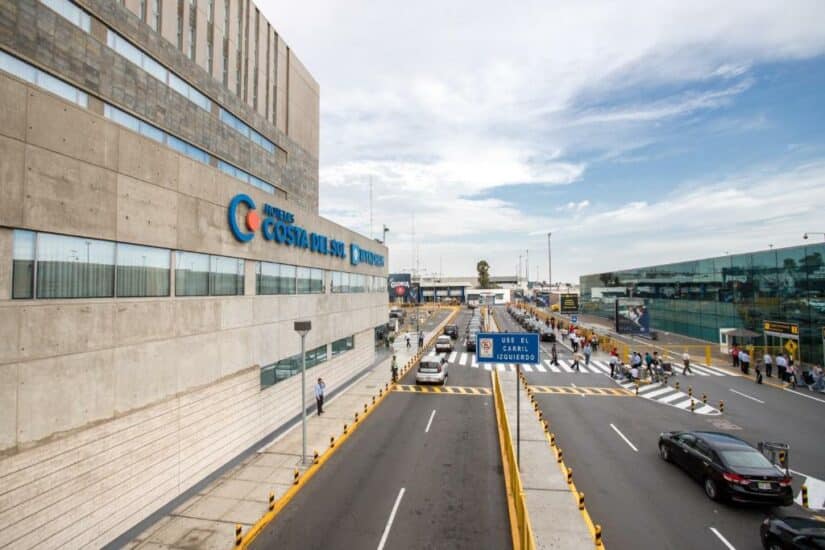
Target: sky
635, 132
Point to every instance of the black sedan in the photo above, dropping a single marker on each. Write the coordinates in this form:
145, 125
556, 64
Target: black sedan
728, 467
451, 331
792, 528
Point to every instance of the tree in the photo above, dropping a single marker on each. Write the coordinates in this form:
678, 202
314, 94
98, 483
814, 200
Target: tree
483, 269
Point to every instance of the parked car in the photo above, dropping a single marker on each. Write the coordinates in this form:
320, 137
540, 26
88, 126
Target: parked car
444, 344
728, 467
792, 528
431, 370
470, 341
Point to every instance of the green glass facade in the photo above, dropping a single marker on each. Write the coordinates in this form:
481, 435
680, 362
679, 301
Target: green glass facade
698, 298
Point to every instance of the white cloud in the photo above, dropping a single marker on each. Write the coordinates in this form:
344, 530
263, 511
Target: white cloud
437, 102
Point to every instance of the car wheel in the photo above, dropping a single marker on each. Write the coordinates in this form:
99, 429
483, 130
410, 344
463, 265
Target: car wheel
664, 452
711, 489
774, 544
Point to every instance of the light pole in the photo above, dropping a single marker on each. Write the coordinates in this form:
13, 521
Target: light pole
805, 236
303, 328
385, 230
549, 262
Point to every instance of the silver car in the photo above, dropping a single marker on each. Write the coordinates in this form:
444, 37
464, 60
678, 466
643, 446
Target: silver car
431, 370
444, 344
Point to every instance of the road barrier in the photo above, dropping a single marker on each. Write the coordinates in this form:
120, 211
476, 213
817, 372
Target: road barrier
721, 406
805, 496
238, 534
521, 530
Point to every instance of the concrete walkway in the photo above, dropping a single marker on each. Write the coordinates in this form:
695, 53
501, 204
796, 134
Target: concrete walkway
554, 514
240, 496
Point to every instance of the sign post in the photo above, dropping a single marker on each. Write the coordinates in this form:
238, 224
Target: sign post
510, 347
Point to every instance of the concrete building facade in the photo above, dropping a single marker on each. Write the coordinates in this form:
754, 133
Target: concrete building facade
159, 235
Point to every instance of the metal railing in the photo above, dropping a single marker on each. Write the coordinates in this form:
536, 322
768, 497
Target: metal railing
522, 531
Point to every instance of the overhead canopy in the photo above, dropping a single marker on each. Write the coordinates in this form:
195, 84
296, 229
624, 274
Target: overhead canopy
743, 333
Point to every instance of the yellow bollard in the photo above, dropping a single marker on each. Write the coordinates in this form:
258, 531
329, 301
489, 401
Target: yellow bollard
238, 536
581, 501
295, 476
707, 355
704, 399
676, 385
560, 455
331, 441
345, 428
690, 391
721, 406
373, 400
552, 439
315, 457
365, 408
271, 501
569, 476
805, 496
692, 405
356, 417
597, 534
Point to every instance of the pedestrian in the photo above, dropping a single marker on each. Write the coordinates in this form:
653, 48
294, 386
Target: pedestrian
613, 361
792, 378
319, 395
686, 363
394, 368
574, 342
554, 355
577, 358
408, 340
421, 339
734, 354
819, 380
789, 360
768, 361
782, 367
588, 351
744, 361
758, 373
648, 363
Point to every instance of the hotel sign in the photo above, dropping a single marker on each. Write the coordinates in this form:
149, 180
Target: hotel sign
279, 226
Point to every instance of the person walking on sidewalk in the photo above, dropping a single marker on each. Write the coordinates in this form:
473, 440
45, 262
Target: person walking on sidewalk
781, 367
734, 355
744, 361
319, 395
768, 361
421, 339
588, 351
686, 362
394, 368
554, 355
577, 359
613, 361
408, 340
758, 371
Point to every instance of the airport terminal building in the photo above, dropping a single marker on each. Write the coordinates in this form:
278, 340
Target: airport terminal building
778, 294
159, 235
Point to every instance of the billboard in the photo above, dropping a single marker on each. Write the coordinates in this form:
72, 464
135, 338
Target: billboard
399, 286
632, 316
569, 303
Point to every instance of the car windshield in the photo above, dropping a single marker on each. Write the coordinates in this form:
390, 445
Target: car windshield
745, 459
443, 339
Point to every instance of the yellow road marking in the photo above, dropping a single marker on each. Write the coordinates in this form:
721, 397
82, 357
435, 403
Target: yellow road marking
453, 390
580, 390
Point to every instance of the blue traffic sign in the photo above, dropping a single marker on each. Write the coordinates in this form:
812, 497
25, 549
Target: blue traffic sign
574, 318
507, 347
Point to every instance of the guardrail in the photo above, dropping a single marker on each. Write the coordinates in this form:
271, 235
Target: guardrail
520, 528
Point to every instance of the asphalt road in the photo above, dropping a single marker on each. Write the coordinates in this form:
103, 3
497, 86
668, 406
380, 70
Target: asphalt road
642, 501
433, 458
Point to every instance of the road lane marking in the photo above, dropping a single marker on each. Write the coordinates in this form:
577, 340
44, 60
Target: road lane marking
526, 368
747, 396
452, 357
574, 385
626, 440
551, 366
383, 540
540, 368
463, 359
804, 395
660, 391
723, 539
816, 491
671, 397
427, 429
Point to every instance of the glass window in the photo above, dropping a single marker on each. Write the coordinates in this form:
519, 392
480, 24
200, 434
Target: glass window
142, 271
316, 356
18, 68
35, 76
343, 345
286, 279
303, 280
191, 274
316, 284
22, 277
335, 282
71, 12
227, 276
345, 282
74, 267
267, 278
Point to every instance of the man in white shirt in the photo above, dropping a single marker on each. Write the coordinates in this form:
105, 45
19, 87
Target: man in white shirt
319, 395
744, 361
768, 360
686, 362
781, 365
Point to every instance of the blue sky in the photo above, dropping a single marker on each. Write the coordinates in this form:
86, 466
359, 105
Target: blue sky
637, 132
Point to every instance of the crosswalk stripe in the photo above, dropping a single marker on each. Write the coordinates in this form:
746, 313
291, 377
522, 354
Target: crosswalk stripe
704, 409
526, 368
463, 359
704, 371
453, 355
565, 367
474, 364
683, 404
500, 367
551, 366
646, 388
717, 371
660, 391
601, 365
671, 397
540, 368
487, 367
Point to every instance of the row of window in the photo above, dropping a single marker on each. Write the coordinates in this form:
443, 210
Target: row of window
33, 75
129, 51
285, 368
343, 282
45, 265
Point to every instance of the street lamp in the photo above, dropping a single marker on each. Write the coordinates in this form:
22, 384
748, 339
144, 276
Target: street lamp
805, 236
303, 328
384, 236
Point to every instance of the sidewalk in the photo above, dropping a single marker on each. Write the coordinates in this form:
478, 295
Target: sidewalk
207, 519
552, 507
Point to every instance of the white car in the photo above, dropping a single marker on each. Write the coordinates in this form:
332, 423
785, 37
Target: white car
444, 344
431, 370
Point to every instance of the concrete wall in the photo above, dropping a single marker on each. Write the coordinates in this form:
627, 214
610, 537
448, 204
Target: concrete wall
83, 490
111, 407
